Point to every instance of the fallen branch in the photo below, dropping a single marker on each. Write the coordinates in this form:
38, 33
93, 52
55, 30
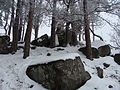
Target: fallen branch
96, 35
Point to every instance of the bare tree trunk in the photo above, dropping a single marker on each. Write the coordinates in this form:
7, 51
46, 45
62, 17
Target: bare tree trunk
12, 18
53, 25
87, 33
24, 22
6, 21
1, 23
80, 36
74, 41
37, 18
29, 29
67, 30
36, 31
16, 27
67, 26
37, 24
20, 29
93, 31
21, 22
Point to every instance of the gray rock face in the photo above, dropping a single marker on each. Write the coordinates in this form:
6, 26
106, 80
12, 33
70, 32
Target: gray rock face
101, 51
104, 50
4, 41
106, 65
60, 75
99, 72
117, 58
95, 52
41, 41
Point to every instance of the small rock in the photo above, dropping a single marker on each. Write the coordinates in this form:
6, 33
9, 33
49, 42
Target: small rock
117, 58
2, 80
48, 54
110, 86
60, 49
99, 72
106, 65
104, 50
31, 86
95, 88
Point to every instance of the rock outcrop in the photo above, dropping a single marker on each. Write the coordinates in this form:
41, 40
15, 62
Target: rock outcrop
4, 42
117, 58
104, 50
98, 50
95, 52
41, 41
59, 75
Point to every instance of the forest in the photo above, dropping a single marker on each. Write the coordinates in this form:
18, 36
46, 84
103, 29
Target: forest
74, 18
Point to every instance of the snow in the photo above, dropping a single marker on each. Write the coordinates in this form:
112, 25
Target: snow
13, 69
39, 40
2, 31
98, 43
54, 58
102, 84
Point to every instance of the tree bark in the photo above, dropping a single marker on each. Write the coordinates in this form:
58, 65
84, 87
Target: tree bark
67, 23
36, 26
87, 33
12, 18
53, 25
16, 27
66, 33
29, 29
24, 22
20, 30
74, 41
80, 36
21, 22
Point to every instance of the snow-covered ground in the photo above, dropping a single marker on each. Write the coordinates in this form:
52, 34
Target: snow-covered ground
13, 69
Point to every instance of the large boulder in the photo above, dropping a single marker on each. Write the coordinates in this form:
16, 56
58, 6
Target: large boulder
4, 43
95, 53
104, 50
59, 75
117, 58
41, 41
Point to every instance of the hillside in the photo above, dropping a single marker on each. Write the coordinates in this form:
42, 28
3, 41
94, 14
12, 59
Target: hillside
13, 69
